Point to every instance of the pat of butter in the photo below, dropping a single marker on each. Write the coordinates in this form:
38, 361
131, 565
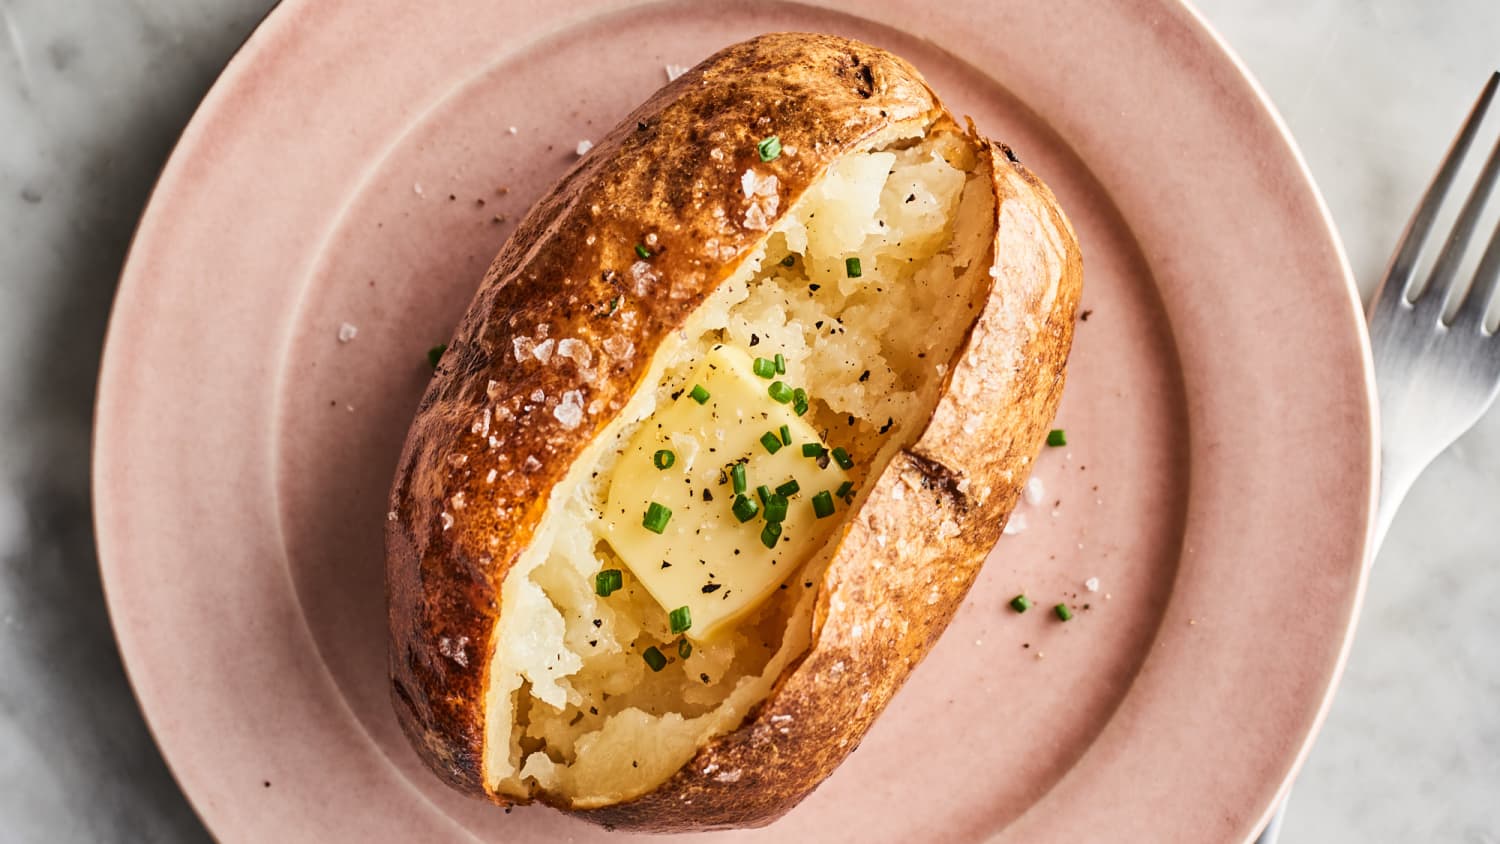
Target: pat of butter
706, 559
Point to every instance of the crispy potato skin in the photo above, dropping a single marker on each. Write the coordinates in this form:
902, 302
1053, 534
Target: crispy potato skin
674, 169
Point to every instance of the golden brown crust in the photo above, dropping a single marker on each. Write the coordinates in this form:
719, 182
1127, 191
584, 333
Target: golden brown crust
673, 170
824, 97
958, 483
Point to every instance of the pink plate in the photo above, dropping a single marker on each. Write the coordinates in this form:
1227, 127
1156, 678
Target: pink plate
357, 164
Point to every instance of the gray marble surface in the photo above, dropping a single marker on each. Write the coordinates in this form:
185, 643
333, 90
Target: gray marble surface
92, 95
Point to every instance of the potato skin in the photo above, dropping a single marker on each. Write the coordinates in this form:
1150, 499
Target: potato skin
673, 169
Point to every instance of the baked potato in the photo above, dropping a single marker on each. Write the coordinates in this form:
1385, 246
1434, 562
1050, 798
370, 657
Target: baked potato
722, 441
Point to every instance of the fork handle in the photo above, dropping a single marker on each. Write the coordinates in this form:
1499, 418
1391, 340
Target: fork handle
1397, 474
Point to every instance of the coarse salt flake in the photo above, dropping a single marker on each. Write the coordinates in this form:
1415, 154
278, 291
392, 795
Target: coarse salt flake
1035, 491
674, 71
447, 519
455, 649
1016, 524
492, 389
490, 478
543, 350
575, 350
619, 347
538, 396
584, 146
569, 411
348, 331
532, 464
1092, 584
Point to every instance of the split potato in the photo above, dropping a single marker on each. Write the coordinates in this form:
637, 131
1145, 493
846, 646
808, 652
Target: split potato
722, 441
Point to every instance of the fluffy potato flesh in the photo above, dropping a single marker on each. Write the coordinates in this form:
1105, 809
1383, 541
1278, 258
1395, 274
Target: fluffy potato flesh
574, 709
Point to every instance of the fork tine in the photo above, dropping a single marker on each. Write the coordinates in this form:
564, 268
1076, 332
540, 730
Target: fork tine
1486, 284
1398, 279
1441, 282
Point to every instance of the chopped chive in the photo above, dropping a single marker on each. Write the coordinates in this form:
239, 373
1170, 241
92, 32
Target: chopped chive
684, 648
656, 518
780, 364
789, 260
851, 268
780, 392
614, 305
813, 450
799, 401
1057, 437
737, 477
763, 492
435, 354
1063, 612
822, 504
764, 367
776, 507
664, 458
841, 457
745, 508
770, 533
769, 149
608, 581
681, 619
1020, 603
641, 250
771, 441
845, 488
786, 435
699, 394
654, 658
789, 489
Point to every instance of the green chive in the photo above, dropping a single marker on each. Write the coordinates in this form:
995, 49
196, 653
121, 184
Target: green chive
769, 149
641, 250
1020, 603
737, 476
763, 492
1063, 612
681, 619
786, 435
608, 581
776, 507
789, 260
745, 508
841, 457
684, 648
764, 367
780, 364
771, 441
654, 658
656, 518
799, 401
813, 450
435, 354
851, 268
845, 488
789, 489
699, 394
823, 504
770, 533
1057, 437
664, 458
780, 392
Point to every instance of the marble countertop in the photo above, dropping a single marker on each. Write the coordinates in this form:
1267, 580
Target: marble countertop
92, 96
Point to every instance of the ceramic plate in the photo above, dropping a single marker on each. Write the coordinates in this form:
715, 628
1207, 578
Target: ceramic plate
361, 164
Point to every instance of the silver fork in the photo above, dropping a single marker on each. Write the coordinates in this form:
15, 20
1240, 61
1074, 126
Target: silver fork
1435, 378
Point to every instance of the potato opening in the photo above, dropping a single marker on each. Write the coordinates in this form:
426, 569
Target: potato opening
575, 708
